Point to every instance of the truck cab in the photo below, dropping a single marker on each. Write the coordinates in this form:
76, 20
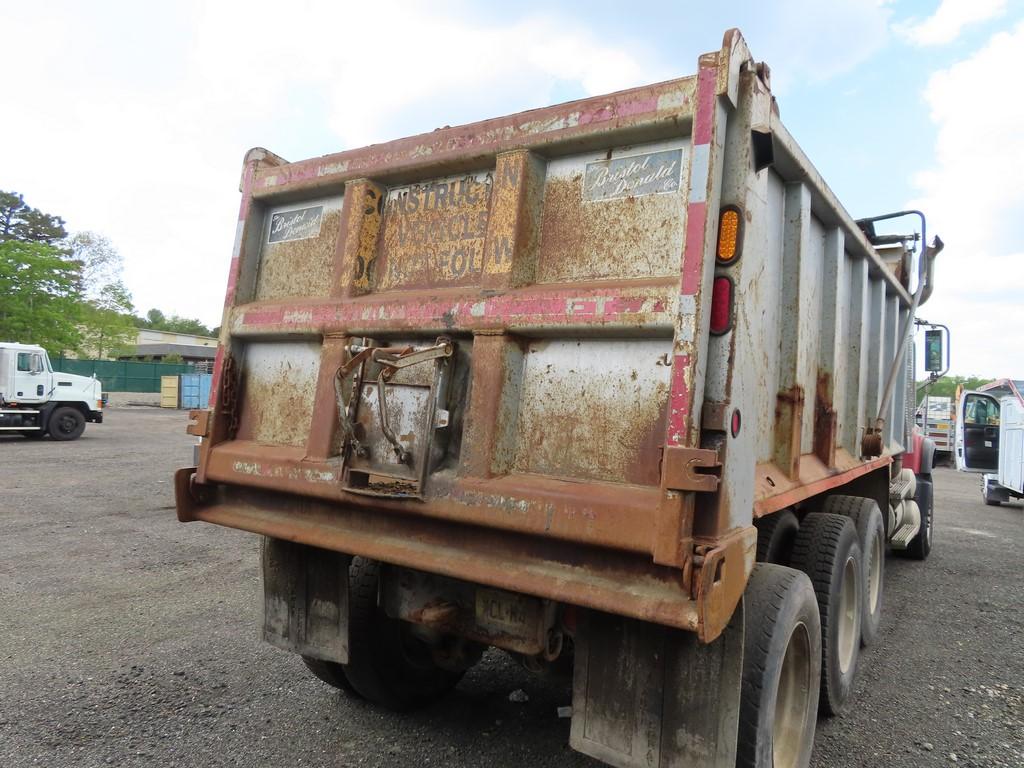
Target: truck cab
990, 439
35, 400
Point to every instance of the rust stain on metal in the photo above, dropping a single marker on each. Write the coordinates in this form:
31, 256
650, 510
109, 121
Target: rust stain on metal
301, 267
719, 578
513, 229
774, 491
591, 410
690, 469
621, 238
824, 420
596, 578
199, 422
789, 409
433, 233
279, 389
362, 218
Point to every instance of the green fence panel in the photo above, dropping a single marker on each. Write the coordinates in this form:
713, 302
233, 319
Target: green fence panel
123, 375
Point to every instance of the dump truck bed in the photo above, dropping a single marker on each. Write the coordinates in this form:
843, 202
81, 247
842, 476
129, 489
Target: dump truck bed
499, 352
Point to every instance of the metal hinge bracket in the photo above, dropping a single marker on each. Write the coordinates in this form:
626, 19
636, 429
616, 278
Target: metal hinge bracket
681, 469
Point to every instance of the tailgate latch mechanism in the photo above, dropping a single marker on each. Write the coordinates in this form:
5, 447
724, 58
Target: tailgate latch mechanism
375, 369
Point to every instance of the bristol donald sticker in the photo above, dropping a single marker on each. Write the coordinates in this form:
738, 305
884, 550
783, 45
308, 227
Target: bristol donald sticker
296, 225
653, 173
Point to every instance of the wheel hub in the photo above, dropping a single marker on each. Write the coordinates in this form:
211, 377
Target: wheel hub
849, 613
875, 574
792, 699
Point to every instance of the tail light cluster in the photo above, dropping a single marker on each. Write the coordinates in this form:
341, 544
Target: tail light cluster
727, 253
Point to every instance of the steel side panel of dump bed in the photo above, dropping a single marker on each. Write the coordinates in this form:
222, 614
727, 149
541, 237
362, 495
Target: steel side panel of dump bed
484, 352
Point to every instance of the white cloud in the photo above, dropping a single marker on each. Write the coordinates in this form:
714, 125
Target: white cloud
809, 41
949, 19
974, 198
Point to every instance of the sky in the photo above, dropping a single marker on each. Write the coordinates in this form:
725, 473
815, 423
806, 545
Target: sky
131, 119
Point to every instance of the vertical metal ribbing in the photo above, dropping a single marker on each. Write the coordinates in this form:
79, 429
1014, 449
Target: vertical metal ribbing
855, 408
832, 359
790, 398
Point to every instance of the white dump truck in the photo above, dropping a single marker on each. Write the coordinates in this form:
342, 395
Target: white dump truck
616, 386
35, 400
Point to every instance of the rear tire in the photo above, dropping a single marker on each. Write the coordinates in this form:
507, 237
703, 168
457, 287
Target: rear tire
66, 423
330, 672
388, 665
775, 535
921, 545
867, 519
781, 670
826, 549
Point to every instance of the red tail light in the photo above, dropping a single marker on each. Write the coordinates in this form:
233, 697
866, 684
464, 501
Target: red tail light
721, 305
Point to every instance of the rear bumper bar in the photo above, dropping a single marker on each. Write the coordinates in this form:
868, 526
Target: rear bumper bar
628, 584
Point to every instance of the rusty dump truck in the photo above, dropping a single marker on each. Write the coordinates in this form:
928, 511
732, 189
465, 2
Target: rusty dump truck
616, 386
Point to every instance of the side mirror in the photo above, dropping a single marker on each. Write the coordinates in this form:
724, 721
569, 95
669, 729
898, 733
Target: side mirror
933, 357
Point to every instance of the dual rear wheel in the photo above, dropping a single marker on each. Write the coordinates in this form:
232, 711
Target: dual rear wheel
813, 600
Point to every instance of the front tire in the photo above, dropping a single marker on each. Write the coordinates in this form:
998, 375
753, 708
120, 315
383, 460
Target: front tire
867, 519
66, 423
921, 545
781, 669
826, 549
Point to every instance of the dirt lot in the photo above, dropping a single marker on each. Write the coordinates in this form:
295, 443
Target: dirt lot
127, 638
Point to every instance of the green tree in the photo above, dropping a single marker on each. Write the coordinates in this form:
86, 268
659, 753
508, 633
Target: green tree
108, 315
158, 321
946, 386
100, 264
40, 302
108, 324
19, 221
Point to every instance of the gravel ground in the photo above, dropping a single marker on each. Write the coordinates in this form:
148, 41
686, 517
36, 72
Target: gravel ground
129, 639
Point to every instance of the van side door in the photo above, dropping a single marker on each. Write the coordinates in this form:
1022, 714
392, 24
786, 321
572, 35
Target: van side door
977, 433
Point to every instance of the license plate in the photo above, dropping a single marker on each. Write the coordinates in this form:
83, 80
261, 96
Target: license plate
504, 611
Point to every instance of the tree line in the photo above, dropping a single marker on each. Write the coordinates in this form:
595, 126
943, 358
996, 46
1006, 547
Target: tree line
66, 292
946, 386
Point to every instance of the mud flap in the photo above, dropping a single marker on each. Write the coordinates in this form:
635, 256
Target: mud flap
647, 696
305, 599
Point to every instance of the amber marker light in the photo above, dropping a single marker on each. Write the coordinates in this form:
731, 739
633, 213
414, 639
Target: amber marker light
730, 226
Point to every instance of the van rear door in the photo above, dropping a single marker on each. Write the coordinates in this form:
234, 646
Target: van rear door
1011, 444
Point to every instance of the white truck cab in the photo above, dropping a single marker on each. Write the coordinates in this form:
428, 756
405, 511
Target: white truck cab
35, 400
990, 440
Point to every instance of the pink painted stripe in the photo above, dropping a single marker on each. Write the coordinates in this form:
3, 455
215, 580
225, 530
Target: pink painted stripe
554, 307
229, 296
705, 107
693, 252
490, 136
679, 403
614, 110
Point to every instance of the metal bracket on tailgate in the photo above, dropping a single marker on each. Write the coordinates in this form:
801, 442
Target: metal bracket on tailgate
680, 469
382, 460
